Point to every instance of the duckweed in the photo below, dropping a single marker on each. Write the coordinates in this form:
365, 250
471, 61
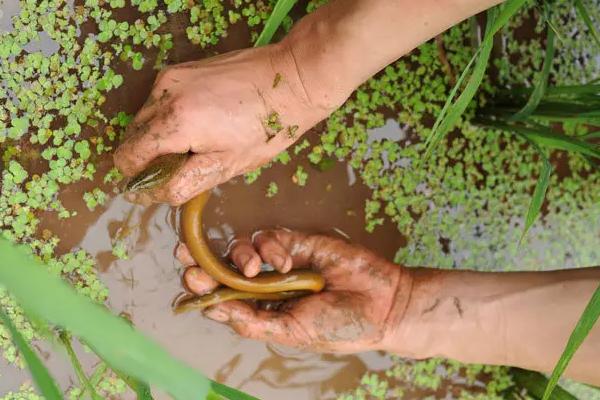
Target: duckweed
471, 194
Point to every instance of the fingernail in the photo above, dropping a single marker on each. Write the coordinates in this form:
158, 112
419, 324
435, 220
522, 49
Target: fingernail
192, 273
278, 260
244, 258
216, 314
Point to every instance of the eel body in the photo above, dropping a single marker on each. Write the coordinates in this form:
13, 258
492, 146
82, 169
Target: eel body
266, 286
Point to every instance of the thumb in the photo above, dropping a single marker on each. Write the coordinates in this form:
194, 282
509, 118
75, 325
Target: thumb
198, 174
272, 326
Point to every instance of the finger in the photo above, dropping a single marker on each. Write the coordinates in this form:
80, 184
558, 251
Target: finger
245, 257
147, 140
182, 253
198, 174
317, 251
272, 326
272, 252
198, 282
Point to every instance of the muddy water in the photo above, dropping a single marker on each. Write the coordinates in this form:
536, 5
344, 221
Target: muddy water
144, 285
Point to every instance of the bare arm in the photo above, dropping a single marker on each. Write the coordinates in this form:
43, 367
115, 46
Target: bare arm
344, 43
218, 108
518, 318
507, 318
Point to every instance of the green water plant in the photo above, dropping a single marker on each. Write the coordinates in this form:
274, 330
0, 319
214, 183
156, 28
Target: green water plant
112, 338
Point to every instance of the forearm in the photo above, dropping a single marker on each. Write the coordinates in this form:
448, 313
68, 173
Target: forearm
521, 319
342, 44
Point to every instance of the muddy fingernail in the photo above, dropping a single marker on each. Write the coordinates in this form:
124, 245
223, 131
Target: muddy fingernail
192, 273
244, 258
278, 260
216, 314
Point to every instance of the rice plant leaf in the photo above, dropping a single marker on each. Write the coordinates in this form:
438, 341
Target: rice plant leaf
585, 324
536, 383
508, 10
435, 131
280, 11
451, 113
229, 392
539, 87
591, 135
446, 121
546, 137
583, 13
119, 344
141, 389
539, 194
44, 382
83, 379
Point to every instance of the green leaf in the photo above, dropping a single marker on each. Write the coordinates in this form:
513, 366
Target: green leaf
119, 344
580, 7
536, 383
443, 125
544, 136
83, 149
452, 112
508, 10
230, 392
539, 86
539, 193
448, 103
585, 324
18, 172
280, 11
141, 389
83, 379
39, 373
117, 80
137, 62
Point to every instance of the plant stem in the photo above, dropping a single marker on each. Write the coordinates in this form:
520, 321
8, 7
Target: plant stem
535, 383
83, 379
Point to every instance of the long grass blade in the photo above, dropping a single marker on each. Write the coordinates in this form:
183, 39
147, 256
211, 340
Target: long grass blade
141, 389
508, 10
83, 379
280, 11
585, 324
541, 83
546, 137
435, 130
446, 121
591, 135
229, 392
539, 194
451, 113
536, 383
583, 13
44, 382
120, 345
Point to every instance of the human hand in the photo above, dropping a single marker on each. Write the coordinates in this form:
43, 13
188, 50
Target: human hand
361, 306
234, 112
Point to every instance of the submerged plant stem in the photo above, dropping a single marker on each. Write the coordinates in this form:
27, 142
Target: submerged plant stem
65, 339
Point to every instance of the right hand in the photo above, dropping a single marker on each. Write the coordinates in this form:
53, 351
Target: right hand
217, 109
360, 308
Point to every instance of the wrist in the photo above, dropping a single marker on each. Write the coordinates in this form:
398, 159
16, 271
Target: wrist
318, 52
450, 314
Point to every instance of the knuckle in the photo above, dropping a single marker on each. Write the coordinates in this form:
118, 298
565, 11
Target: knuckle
244, 330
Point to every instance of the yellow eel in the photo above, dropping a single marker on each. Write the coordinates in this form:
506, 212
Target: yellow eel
266, 286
